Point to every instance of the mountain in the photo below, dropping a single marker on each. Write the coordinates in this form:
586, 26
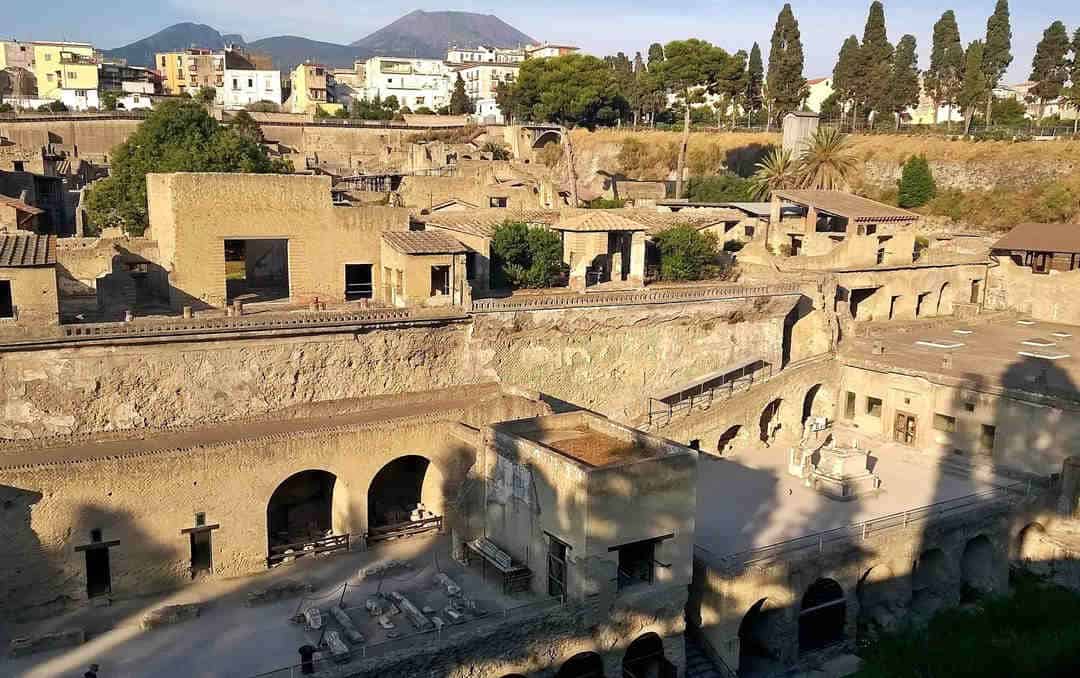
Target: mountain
429, 34
419, 34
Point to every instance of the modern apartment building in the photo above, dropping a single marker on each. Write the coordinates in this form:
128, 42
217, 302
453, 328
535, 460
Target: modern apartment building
416, 83
67, 72
485, 55
188, 71
312, 90
481, 83
247, 81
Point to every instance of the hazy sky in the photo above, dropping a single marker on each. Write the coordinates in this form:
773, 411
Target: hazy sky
599, 26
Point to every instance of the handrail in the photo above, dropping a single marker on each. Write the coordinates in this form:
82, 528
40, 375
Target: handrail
647, 296
864, 530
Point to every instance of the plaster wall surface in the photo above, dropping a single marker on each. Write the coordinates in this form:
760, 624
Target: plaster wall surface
1042, 296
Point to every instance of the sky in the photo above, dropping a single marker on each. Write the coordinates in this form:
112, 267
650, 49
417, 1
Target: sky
598, 26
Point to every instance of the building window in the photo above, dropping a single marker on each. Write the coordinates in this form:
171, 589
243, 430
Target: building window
7, 308
440, 281
637, 563
557, 552
986, 438
873, 407
497, 202
969, 407
749, 231
849, 405
945, 423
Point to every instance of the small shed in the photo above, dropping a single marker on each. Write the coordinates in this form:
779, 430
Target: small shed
1042, 247
601, 246
423, 268
28, 279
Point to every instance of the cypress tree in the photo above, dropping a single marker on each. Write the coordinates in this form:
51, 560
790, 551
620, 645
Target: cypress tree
916, 183
844, 74
460, 104
787, 86
1050, 67
755, 72
904, 80
997, 48
945, 75
975, 84
1071, 95
875, 63
656, 54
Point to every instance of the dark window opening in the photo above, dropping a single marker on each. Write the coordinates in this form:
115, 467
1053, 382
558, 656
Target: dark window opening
969, 407
497, 202
396, 491
636, 563
880, 256
822, 616
7, 307
440, 280
892, 307
975, 291
18, 166
986, 438
358, 282
202, 559
858, 297
873, 407
300, 510
849, 405
695, 444
906, 428
256, 270
98, 577
556, 567
200, 519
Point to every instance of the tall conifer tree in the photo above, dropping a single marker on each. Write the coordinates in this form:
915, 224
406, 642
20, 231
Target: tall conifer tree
997, 48
846, 72
1050, 67
975, 83
755, 72
787, 86
945, 76
875, 63
904, 80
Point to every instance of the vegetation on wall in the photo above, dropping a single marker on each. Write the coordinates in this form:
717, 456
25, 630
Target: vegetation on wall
525, 256
687, 253
178, 136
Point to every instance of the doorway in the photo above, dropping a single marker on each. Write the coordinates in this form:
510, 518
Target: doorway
906, 428
556, 567
256, 269
976, 291
358, 282
202, 550
98, 576
440, 281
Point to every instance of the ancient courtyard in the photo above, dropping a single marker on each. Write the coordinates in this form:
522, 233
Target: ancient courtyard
515, 362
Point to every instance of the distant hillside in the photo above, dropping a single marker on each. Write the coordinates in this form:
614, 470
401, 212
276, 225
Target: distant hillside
420, 34
428, 34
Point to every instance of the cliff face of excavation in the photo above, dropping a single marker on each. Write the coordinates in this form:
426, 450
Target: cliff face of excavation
604, 359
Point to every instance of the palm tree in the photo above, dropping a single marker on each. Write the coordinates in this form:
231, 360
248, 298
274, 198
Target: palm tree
828, 162
776, 171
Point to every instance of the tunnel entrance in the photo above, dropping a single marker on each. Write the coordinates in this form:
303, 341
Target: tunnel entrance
404, 499
822, 616
299, 516
769, 422
977, 568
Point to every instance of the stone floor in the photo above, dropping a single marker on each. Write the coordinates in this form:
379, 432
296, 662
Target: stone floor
231, 640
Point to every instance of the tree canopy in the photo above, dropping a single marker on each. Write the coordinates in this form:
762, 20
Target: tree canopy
787, 86
997, 48
575, 90
178, 136
527, 256
916, 183
686, 253
460, 103
1050, 66
755, 79
874, 65
975, 88
944, 78
904, 83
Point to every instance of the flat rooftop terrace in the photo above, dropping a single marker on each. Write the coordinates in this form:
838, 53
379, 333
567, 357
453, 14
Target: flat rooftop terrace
1002, 354
750, 501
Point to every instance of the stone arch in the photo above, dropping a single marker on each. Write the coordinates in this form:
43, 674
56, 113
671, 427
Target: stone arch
305, 506
883, 598
809, 402
1033, 551
759, 651
551, 136
822, 616
944, 300
979, 566
728, 439
644, 658
582, 665
931, 582
769, 421
402, 484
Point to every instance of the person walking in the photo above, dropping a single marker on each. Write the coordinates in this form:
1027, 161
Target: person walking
92, 672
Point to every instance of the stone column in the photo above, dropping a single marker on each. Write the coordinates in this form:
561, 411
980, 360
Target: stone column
637, 258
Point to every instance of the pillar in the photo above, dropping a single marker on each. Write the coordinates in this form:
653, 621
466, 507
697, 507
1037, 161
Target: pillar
637, 258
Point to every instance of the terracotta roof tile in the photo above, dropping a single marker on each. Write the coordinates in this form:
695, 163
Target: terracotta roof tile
20, 205
483, 222
598, 220
849, 206
423, 242
27, 249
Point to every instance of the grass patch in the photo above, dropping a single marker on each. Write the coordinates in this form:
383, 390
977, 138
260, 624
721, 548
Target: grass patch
1031, 633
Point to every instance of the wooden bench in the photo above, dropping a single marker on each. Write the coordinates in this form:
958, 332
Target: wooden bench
515, 576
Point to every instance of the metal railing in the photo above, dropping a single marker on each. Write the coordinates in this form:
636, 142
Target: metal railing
997, 498
705, 396
312, 547
407, 529
665, 295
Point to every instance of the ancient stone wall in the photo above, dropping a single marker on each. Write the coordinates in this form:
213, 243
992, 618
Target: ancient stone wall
1042, 296
973, 175
94, 138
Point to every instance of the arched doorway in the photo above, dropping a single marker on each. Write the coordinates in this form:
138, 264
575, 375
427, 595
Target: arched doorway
808, 403
769, 422
645, 658
944, 300
979, 568
882, 597
822, 616
584, 665
395, 494
930, 583
726, 444
547, 138
756, 653
301, 510
1034, 552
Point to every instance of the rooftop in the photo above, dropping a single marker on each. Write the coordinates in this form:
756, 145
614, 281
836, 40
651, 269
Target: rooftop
19, 250
1002, 354
656, 221
483, 222
20, 205
851, 207
1042, 238
423, 242
598, 220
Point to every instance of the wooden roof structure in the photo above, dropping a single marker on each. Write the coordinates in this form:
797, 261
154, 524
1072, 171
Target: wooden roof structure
423, 242
851, 207
1063, 238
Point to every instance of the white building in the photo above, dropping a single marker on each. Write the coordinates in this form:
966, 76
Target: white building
481, 82
817, 91
485, 55
547, 49
415, 83
130, 101
244, 86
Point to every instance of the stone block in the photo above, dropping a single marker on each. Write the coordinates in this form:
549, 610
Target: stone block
27, 645
169, 614
287, 588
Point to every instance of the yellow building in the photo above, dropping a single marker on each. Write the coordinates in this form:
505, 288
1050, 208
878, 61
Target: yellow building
312, 89
188, 71
67, 72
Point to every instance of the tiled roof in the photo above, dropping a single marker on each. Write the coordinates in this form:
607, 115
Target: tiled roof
483, 222
598, 220
656, 221
846, 205
423, 242
20, 205
27, 249
1042, 238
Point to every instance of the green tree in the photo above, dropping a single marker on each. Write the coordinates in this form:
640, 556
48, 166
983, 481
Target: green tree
828, 162
263, 106
786, 84
391, 104
976, 87
527, 256
53, 107
243, 124
656, 55
873, 74
904, 81
997, 49
1071, 94
1050, 67
686, 253
755, 80
845, 74
575, 90
916, 183
724, 187
777, 171
692, 70
108, 100
206, 95
460, 104
1008, 112
178, 136
945, 76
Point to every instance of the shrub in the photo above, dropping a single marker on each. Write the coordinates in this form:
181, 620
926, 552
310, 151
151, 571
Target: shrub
605, 204
726, 187
496, 150
53, 107
1057, 202
686, 253
916, 183
527, 256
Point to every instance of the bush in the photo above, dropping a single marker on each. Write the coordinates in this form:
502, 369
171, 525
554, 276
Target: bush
605, 204
1056, 203
263, 107
496, 150
916, 183
7, 108
53, 107
527, 256
726, 187
686, 253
